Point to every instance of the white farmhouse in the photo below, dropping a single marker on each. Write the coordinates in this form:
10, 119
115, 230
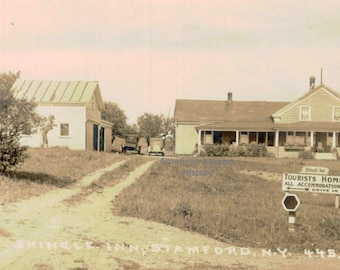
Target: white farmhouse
309, 123
76, 107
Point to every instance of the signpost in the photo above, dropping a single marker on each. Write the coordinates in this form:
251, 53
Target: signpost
291, 203
311, 183
310, 179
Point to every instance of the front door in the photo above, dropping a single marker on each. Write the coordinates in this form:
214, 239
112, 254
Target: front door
321, 141
102, 139
95, 137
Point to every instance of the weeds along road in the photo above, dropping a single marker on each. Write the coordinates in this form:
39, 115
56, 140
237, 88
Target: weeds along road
48, 233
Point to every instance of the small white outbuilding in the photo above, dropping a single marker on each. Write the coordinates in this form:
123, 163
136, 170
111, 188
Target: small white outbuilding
76, 108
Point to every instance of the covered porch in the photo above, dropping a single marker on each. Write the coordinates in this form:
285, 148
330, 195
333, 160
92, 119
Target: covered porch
281, 140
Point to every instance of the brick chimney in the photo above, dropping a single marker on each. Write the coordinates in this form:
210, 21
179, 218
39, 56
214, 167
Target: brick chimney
311, 82
230, 97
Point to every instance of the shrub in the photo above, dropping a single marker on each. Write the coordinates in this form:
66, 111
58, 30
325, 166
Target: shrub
16, 115
11, 154
203, 153
216, 149
250, 150
306, 154
237, 151
256, 150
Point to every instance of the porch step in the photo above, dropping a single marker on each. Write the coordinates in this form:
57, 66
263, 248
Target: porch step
324, 156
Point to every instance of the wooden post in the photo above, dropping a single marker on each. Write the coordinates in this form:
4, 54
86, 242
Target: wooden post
277, 143
337, 201
312, 139
199, 138
291, 221
237, 137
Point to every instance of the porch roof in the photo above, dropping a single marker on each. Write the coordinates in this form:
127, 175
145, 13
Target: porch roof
270, 126
310, 126
241, 126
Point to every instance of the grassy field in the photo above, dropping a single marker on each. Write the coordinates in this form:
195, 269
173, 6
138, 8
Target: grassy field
226, 201
50, 168
234, 207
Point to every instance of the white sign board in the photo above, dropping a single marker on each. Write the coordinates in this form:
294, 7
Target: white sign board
311, 183
314, 170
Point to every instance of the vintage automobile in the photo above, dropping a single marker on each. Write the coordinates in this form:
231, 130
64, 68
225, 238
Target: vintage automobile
156, 146
131, 144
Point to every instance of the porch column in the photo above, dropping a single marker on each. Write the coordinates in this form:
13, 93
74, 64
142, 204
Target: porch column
276, 138
237, 137
199, 138
334, 140
312, 138
277, 153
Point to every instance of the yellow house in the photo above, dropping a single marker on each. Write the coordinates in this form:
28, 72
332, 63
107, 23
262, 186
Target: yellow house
76, 107
286, 128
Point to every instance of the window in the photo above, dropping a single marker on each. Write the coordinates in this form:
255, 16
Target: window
271, 139
252, 136
26, 129
64, 130
305, 113
244, 139
300, 137
336, 113
282, 138
208, 137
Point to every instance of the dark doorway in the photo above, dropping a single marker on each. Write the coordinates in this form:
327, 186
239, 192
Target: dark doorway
95, 137
271, 139
102, 139
217, 137
262, 137
321, 142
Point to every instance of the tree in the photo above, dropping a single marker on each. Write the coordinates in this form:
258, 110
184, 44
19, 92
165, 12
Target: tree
114, 114
48, 125
131, 129
16, 116
151, 125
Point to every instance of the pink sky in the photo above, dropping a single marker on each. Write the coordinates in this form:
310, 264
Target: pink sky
147, 54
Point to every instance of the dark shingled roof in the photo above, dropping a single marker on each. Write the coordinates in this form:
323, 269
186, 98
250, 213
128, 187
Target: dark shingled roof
213, 111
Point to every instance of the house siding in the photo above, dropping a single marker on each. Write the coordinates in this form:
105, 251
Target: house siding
108, 139
186, 139
320, 111
76, 138
89, 135
93, 115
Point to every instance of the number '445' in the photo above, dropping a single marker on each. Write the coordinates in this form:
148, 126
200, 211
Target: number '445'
330, 253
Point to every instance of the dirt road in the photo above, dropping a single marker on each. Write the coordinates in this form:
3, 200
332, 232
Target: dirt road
47, 233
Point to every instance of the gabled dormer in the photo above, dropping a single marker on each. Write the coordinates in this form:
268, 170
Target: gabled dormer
320, 104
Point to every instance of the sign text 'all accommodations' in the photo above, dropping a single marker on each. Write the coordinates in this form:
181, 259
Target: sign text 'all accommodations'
311, 183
